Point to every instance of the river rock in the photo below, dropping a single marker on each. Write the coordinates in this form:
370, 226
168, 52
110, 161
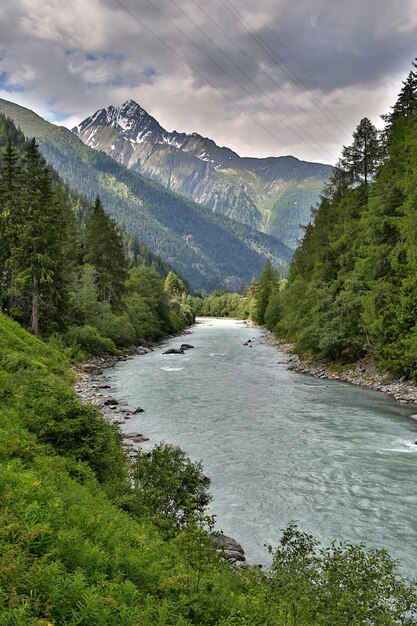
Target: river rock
111, 401
140, 439
143, 350
231, 549
186, 346
137, 409
173, 351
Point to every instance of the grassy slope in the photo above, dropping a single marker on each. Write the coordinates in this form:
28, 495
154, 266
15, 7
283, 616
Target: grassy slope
68, 556
208, 249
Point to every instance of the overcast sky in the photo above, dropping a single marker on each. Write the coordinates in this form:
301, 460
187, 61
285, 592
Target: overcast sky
269, 77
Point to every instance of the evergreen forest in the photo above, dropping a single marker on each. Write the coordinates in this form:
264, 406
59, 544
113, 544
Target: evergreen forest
351, 293
67, 271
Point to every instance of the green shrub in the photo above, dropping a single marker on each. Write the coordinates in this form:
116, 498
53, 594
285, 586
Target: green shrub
90, 340
118, 328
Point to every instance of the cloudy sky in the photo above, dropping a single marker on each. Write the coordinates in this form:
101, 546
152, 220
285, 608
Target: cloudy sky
270, 77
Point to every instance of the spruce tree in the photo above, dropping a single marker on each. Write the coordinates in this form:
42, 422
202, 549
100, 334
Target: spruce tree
268, 282
37, 254
104, 251
10, 200
363, 156
406, 104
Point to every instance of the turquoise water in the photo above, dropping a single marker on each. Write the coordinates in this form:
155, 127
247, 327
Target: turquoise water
277, 445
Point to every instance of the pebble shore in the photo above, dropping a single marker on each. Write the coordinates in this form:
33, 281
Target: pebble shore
362, 373
92, 387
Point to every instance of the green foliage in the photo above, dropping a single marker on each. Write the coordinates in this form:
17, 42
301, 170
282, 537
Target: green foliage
361, 159
104, 251
344, 584
352, 289
173, 285
222, 304
89, 340
268, 283
171, 486
118, 328
208, 249
64, 264
34, 260
80, 547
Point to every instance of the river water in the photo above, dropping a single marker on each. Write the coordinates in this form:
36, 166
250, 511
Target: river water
277, 445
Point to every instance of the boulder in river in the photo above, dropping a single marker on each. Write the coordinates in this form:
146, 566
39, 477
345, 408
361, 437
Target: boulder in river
231, 549
186, 346
143, 350
173, 351
111, 401
137, 409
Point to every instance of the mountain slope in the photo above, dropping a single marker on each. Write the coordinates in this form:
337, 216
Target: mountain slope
209, 250
274, 194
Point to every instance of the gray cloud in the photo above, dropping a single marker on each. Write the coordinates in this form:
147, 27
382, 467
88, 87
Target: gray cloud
255, 76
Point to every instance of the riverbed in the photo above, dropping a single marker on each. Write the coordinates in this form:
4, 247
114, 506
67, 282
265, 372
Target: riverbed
278, 445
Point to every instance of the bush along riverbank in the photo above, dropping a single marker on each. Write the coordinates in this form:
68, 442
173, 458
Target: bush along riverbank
89, 537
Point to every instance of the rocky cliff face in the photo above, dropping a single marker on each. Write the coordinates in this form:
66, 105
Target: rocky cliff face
274, 194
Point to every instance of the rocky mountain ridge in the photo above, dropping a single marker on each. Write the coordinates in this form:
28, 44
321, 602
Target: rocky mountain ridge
273, 195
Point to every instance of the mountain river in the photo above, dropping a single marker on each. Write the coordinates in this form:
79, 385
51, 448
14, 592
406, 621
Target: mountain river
338, 459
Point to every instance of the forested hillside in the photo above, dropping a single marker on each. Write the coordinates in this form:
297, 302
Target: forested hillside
209, 250
352, 288
66, 269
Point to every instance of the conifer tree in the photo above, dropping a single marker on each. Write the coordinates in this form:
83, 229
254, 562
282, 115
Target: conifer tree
10, 198
104, 250
268, 282
363, 156
37, 254
406, 104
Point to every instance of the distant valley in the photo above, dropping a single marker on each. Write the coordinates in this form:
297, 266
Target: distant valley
210, 250
273, 195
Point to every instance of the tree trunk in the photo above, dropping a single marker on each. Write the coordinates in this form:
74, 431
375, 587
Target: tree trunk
35, 312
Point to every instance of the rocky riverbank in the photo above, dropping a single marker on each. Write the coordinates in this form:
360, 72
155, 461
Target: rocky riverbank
92, 387
362, 373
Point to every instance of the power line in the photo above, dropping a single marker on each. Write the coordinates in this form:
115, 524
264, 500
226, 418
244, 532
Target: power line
339, 125
262, 43
262, 91
243, 88
194, 69
300, 65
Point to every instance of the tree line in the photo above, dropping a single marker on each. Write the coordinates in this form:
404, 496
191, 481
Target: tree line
351, 292
65, 266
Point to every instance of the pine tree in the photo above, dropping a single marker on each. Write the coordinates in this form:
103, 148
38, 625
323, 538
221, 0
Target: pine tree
268, 282
10, 199
38, 254
363, 156
406, 104
104, 250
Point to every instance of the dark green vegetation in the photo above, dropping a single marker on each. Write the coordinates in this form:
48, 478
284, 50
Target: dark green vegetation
83, 545
208, 249
352, 288
65, 267
260, 301
274, 194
